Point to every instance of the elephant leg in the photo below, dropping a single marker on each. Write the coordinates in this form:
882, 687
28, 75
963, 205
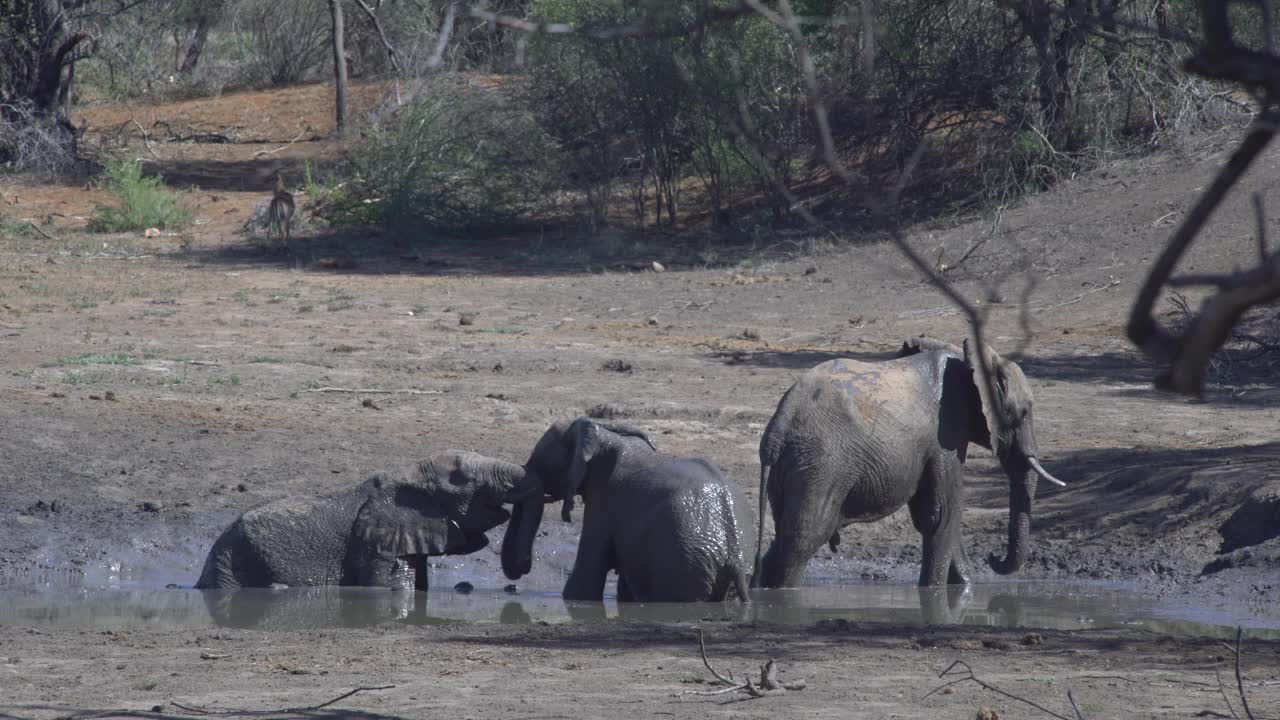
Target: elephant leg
593, 562
419, 565
624, 592
805, 523
935, 512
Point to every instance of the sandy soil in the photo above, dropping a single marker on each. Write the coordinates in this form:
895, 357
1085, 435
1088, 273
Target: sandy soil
154, 388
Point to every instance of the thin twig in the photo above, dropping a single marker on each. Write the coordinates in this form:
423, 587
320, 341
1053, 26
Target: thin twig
702, 648
308, 708
373, 391
1072, 699
260, 153
1244, 699
146, 140
969, 676
1222, 690
36, 227
1260, 216
382, 35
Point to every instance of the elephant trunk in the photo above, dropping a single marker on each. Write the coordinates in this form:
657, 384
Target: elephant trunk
517, 543
1022, 493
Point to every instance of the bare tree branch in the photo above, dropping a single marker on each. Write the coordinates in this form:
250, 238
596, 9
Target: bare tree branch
442, 40
368, 11
1189, 354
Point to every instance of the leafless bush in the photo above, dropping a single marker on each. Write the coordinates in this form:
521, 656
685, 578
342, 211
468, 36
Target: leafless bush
287, 41
29, 142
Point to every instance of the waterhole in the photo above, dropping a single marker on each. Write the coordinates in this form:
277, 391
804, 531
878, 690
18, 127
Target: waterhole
115, 596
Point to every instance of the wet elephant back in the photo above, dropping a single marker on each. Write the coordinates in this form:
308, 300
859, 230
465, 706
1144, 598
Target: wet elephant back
302, 541
684, 516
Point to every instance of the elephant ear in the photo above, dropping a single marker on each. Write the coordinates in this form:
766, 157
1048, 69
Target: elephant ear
399, 519
987, 406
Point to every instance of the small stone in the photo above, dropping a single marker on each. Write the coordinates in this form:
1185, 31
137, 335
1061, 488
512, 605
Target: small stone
241, 487
157, 708
150, 506
658, 267
464, 587
466, 318
367, 403
986, 713
751, 334
108, 395
1032, 639
810, 270
651, 320
511, 589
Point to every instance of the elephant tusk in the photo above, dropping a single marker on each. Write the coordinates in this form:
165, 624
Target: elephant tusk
1035, 465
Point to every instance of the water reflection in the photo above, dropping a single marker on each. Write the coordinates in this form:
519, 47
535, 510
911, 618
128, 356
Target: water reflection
1015, 604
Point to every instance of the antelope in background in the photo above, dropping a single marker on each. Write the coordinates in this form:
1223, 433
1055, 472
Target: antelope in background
280, 214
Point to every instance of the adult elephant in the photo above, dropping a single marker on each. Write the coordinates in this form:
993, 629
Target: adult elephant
672, 528
378, 533
854, 441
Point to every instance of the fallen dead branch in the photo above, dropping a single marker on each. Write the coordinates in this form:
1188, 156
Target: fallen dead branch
961, 668
373, 391
308, 708
146, 140
260, 153
36, 227
768, 684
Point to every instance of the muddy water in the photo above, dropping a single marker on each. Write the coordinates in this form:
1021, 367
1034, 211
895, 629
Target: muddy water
114, 597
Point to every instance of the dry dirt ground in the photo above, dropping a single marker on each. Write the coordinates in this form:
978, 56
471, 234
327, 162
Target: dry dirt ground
156, 387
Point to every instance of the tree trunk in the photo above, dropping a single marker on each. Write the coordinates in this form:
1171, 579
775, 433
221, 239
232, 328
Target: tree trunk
339, 68
1162, 19
198, 40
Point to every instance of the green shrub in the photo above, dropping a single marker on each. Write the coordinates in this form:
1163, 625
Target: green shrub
144, 201
455, 157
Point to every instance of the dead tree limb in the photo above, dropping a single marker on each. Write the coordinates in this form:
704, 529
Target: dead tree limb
968, 676
768, 684
195, 710
372, 391
370, 12
702, 648
1188, 354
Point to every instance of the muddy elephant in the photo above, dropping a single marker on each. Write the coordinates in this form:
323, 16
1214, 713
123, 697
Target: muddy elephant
672, 528
854, 441
378, 533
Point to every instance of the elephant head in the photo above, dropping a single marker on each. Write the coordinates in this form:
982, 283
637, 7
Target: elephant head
560, 463
1011, 437
1013, 440
444, 506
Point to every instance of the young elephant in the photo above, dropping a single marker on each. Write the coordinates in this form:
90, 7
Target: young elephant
672, 528
379, 533
854, 441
